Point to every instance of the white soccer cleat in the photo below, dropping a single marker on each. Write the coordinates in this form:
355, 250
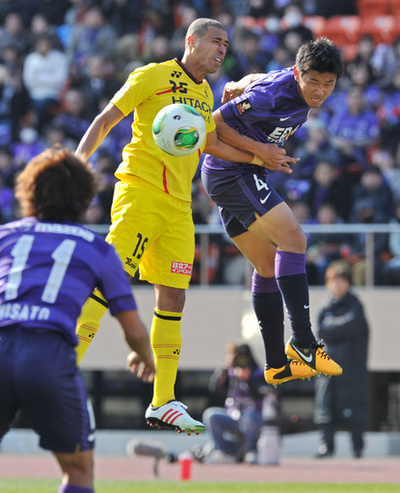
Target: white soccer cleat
173, 416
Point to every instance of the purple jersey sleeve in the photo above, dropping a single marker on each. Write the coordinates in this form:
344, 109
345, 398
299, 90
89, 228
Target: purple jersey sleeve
270, 110
48, 270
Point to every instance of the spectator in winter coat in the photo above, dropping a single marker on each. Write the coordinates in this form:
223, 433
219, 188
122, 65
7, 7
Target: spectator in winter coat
342, 401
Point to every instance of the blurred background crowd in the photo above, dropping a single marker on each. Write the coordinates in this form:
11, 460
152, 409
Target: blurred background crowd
62, 60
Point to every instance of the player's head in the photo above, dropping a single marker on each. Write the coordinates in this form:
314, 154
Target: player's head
200, 27
205, 47
317, 69
321, 55
56, 186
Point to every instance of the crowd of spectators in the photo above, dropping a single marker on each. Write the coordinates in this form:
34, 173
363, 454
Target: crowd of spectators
62, 60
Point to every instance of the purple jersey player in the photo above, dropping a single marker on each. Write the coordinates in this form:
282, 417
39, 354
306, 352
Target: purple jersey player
47, 271
49, 264
262, 112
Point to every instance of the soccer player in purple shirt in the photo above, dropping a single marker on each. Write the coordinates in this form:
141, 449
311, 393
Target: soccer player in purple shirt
261, 112
49, 265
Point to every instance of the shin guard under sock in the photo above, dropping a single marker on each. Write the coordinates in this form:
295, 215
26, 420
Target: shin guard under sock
268, 308
89, 322
291, 277
166, 342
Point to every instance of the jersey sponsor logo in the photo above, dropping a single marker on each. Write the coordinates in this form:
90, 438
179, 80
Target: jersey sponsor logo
280, 134
201, 106
181, 268
18, 311
176, 73
244, 106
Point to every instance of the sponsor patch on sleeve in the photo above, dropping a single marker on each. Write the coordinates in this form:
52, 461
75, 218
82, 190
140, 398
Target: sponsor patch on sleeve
243, 106
181, 268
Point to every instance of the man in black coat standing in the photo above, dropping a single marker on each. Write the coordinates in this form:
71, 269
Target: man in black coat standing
342, 401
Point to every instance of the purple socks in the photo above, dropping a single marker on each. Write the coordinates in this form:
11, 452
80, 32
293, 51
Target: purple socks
291, 276
268, 308
289, 264
69, 488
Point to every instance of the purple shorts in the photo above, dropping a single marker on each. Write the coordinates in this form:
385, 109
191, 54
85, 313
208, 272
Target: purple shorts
39, 376
240, 198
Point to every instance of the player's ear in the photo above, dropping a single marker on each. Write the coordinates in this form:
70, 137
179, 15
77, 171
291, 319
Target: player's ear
296, 74
190, 40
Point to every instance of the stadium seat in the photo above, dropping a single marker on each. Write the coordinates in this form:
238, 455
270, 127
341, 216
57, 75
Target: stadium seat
349, 51
343, 29
373, 7
250, 22
316, 23
382, 28
393, 7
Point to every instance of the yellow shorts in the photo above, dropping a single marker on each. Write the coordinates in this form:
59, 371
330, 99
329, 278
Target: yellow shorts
154, 230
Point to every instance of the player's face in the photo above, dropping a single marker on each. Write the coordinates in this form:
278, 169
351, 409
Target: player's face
314, 87
210, 50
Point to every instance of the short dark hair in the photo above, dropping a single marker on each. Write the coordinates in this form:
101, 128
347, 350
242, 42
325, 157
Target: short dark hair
337, 270
200, 26
56, 186
321, 55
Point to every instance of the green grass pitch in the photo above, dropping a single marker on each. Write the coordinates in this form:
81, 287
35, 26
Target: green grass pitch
156, 486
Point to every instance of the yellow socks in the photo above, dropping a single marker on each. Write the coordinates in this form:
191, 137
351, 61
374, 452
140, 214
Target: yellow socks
89, 322
165, 338
166, 342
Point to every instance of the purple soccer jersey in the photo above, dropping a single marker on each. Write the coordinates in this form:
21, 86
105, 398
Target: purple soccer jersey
270, 110
48, 270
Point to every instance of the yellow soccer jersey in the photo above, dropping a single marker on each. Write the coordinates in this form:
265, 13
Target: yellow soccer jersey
146, 91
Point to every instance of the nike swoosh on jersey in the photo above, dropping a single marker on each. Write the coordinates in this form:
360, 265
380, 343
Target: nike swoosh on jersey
286, 118
306, 307
308, 358
265, 199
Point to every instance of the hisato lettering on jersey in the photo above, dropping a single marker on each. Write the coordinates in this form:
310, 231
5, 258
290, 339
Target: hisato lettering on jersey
18, 311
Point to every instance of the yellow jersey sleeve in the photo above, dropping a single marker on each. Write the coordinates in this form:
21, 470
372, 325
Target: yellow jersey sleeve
146, 91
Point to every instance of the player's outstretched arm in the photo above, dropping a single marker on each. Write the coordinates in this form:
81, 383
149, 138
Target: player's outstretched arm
233, 89
222, 150
271, 156
140, 360
98, 130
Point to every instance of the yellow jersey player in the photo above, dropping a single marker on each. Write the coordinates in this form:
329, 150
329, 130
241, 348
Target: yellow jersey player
151, 214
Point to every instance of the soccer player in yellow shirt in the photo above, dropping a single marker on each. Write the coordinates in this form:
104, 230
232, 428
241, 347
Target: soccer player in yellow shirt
151, 214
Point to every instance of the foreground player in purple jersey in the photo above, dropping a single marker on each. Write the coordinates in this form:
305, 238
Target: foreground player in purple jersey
262, 112
49, 265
